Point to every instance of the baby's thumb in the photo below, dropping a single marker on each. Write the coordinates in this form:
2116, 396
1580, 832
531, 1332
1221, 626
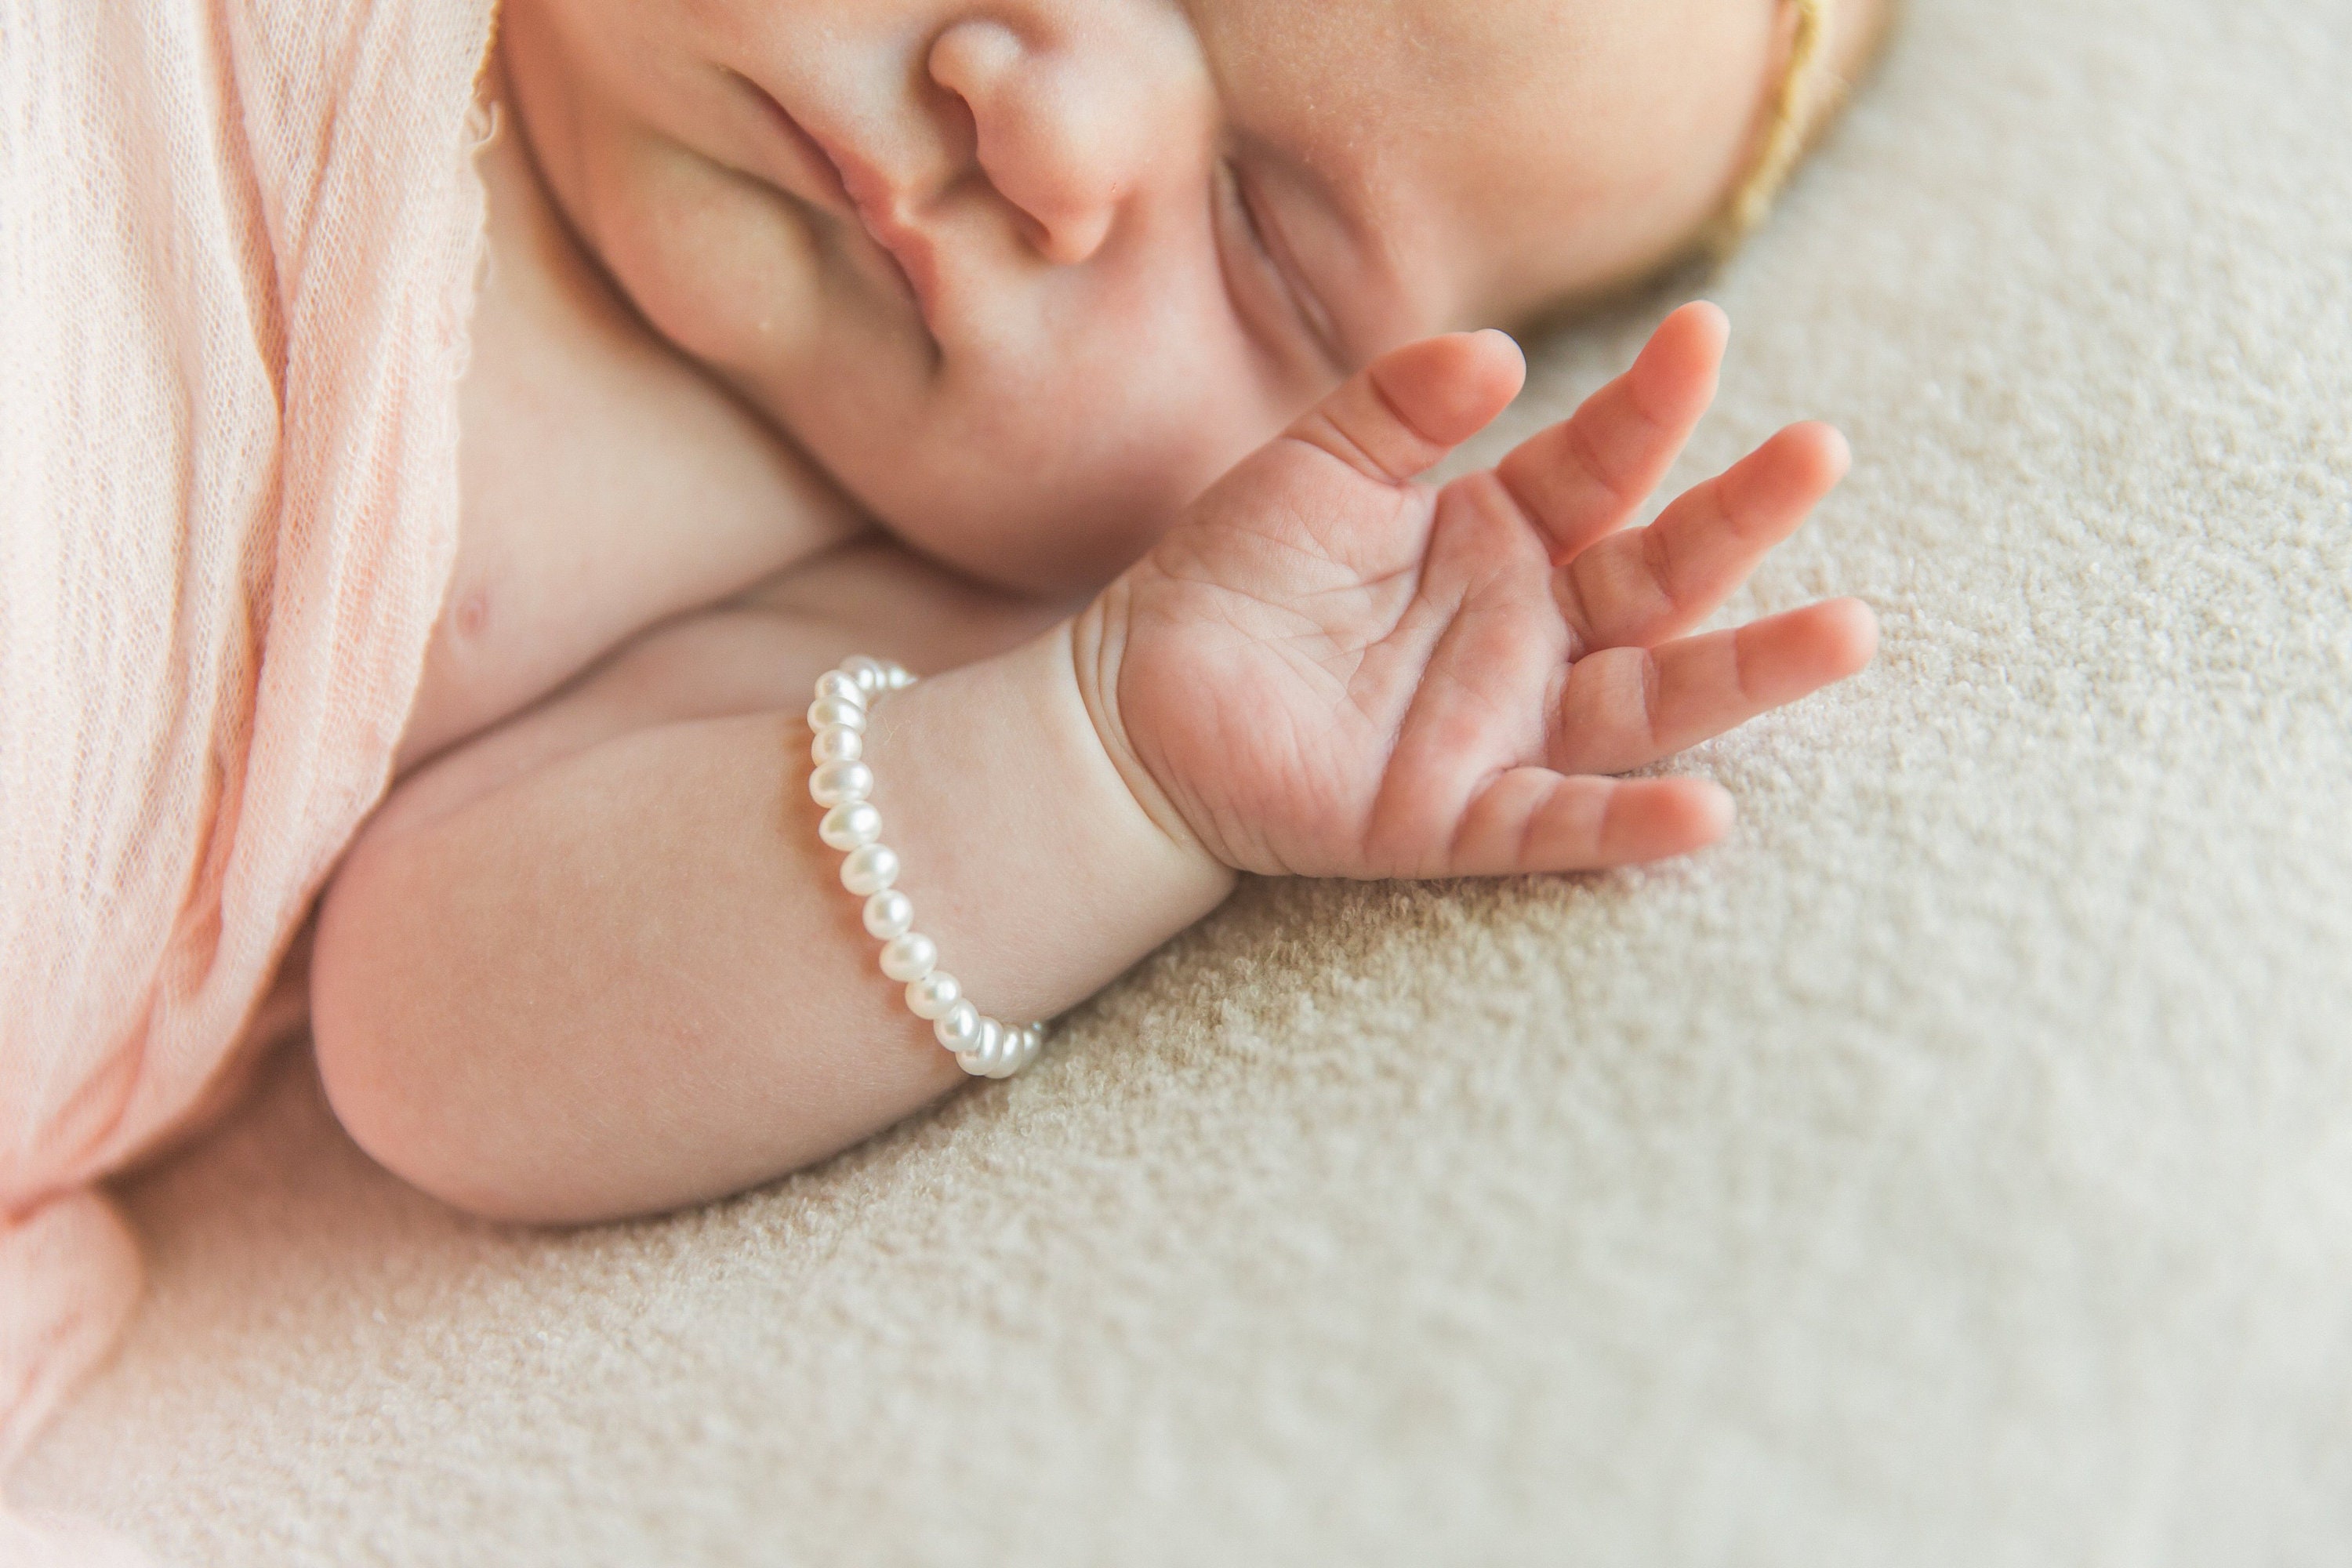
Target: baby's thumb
1404, 412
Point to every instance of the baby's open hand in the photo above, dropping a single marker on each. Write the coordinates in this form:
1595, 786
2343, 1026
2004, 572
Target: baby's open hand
1327, 668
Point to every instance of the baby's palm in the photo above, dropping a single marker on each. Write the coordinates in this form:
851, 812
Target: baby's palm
1331, 669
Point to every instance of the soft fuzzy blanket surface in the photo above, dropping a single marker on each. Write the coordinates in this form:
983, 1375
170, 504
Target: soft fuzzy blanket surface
1955, 1168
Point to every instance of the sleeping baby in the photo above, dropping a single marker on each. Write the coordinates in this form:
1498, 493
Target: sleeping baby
497, 495
1084, 357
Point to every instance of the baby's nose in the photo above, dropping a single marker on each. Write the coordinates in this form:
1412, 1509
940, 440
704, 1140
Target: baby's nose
1049, 132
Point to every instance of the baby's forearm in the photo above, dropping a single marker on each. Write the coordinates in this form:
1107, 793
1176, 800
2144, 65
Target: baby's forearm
631, 979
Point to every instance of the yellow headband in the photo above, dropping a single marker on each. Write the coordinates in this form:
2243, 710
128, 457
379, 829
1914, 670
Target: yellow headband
1796, 108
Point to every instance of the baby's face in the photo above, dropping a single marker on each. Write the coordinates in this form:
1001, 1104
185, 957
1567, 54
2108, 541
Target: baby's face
1026, 276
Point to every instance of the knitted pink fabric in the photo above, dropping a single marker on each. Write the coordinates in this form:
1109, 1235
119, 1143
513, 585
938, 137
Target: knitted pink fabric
237, 244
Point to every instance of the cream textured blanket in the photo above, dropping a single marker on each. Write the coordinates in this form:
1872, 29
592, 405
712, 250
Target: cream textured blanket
237, 249
1955, 1168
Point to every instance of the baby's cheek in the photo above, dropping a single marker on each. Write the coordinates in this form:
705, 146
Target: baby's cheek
712, 271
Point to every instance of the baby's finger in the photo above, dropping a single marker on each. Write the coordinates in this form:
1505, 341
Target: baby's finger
1408, 409
1532, 820
1628, 707
1638, 589
1583, 479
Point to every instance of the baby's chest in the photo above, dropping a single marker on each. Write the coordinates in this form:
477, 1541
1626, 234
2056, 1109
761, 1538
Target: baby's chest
595, 503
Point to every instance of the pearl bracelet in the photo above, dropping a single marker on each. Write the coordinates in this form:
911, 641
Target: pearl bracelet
844, 785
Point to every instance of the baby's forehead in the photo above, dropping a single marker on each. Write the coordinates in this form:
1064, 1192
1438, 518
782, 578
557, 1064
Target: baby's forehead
1404, 54
1406, 51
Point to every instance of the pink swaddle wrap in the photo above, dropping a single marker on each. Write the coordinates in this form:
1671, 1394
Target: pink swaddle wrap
238, 246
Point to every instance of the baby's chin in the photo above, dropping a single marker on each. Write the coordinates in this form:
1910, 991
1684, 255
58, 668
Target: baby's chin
1041, 556
1021, 527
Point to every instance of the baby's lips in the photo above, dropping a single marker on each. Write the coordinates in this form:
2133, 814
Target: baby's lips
857, 191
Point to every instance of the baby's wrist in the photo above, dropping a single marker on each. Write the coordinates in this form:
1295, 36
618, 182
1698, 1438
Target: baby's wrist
1092, 649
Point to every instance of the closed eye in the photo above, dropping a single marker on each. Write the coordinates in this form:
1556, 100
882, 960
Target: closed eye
1271, 278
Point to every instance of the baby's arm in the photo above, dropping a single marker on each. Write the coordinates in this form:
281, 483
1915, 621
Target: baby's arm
599, 965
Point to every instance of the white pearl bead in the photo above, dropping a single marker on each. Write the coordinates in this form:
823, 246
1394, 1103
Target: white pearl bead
838, 743
841, 783
888, 914
898, 677
830, 715
869, 870
851, 826
990, 1046
1016, 1053
872, 674
957, 1029
970, 1064
933, 994
910, 957
834, 687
